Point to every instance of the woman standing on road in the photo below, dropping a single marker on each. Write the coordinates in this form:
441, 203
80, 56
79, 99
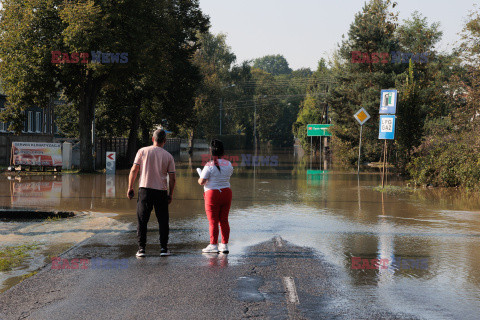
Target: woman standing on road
215, 179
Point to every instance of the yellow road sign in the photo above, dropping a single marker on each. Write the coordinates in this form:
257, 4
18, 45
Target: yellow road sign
361, 116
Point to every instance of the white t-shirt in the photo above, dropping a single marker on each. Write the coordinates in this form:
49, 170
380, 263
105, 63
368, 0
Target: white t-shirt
217, 179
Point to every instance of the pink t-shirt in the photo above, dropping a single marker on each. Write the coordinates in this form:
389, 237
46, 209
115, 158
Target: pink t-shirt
155, 163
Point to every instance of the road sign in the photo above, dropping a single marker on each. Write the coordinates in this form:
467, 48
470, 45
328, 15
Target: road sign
318, 130
361, 116
110, 163
387, 127
388, 102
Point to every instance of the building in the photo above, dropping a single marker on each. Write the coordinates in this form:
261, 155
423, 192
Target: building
38, 126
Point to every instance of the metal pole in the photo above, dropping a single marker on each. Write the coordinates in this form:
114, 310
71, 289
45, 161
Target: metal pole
320, 159
360, 149
311, 147
221, 101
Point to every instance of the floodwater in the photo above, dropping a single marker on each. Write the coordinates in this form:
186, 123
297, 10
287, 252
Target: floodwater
340, 215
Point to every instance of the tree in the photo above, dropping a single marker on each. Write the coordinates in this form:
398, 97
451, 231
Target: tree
359, 84
448, 155
158, 36
422, 94
215, 60
274, 64
314, 107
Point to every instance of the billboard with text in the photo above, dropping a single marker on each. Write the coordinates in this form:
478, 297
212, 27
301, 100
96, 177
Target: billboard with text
36, 154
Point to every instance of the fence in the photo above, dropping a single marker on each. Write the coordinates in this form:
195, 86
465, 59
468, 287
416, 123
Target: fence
120, 146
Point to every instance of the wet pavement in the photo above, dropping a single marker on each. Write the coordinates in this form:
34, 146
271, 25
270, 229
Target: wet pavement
295, 227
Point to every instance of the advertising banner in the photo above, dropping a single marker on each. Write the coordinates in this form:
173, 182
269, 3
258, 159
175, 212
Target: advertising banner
37, 154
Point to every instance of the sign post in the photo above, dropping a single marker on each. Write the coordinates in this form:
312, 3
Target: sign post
318, 130
388, 108
387, 132
110, 162
361, 116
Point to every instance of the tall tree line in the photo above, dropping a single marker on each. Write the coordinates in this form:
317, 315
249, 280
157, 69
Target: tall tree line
157, 83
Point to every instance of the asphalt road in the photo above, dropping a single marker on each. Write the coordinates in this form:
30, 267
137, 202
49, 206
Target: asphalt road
270, 280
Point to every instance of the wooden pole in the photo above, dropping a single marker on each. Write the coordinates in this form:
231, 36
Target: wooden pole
386, 170
384, 156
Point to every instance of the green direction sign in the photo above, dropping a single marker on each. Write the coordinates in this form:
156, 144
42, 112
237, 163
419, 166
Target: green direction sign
318, 130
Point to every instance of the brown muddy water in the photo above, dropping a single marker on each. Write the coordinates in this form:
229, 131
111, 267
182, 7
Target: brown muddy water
338, 214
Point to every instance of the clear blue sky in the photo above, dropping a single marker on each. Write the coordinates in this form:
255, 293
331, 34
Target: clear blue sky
306, 30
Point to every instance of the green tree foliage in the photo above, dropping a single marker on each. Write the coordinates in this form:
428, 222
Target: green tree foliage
449, 153
215, 60
421, 91
159, 37
410, 117
359, 84
314, 108
28, 32
274, 64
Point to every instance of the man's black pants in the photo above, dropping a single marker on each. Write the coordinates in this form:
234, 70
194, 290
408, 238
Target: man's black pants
147, 200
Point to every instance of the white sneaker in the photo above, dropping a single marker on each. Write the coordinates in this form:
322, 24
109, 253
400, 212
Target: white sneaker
211, 248
223, 247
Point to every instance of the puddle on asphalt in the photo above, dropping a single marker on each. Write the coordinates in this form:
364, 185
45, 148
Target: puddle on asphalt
51, 238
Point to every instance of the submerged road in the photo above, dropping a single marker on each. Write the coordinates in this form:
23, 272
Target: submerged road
270, 280
295, 235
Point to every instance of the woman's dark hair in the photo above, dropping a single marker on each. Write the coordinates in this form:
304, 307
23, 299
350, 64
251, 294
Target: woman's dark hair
216, 147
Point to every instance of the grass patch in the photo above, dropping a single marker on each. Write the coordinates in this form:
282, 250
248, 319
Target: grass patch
28, 275
13, 256
53, 218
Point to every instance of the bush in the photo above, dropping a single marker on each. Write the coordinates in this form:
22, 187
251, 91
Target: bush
447, 161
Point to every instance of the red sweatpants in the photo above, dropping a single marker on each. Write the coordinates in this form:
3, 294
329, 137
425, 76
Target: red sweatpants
217, 206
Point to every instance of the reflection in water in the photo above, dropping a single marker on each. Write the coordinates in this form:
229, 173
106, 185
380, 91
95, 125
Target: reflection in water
307, 203
35, 191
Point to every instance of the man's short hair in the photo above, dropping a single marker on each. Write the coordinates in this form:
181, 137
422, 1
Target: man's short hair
160, 135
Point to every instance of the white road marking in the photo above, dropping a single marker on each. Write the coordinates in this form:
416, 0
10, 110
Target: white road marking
289, 284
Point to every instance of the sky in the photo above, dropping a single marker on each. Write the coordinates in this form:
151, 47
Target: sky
304, 31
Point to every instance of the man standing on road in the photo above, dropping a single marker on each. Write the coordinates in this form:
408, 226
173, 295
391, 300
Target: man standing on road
154, 163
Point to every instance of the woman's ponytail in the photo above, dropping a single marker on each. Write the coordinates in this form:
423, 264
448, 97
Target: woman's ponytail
217, 151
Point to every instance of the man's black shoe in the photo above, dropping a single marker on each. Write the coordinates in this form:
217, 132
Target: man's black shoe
164, 252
